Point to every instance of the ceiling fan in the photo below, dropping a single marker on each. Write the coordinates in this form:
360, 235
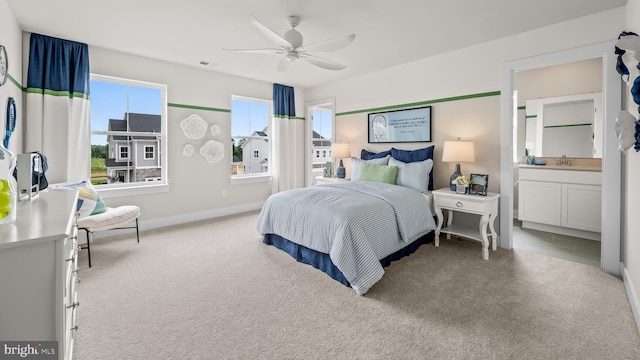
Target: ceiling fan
291, 46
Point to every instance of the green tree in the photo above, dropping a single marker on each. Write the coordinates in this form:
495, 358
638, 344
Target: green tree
99, 151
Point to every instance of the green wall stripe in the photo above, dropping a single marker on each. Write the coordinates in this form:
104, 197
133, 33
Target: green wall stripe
194, 107
568, 125
16, 83
427, 102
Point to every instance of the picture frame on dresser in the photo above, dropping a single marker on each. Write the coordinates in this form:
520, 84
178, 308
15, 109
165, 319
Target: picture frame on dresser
479, 184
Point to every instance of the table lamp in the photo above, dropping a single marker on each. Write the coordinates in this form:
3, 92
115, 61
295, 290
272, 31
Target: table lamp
340, 150
458, 151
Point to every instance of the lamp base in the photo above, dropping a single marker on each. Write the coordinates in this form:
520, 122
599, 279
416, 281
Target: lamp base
456, 173
341, 171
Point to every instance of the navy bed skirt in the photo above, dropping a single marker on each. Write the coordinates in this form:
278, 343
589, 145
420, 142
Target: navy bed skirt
323, 262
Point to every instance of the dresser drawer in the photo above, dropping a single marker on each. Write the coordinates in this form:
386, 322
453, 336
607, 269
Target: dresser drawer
468, 205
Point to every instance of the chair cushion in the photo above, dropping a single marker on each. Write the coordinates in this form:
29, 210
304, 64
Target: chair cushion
110, 219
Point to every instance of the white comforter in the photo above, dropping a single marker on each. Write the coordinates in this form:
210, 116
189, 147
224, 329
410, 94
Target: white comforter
356, 223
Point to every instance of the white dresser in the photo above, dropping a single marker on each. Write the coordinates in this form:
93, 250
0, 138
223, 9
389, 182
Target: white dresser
38, 272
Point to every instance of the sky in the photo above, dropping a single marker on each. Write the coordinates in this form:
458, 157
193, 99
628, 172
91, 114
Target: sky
322, 123
109, 101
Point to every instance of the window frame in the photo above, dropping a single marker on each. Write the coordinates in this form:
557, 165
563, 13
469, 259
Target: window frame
254, 177
142, 187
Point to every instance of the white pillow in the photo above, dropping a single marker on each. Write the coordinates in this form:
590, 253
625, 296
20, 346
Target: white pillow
355, 165
413, 175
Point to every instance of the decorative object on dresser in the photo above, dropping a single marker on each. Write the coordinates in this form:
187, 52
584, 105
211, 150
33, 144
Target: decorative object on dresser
458, 151
8, 192
94, 215
485, 206
406, 125
340, 151
479, 184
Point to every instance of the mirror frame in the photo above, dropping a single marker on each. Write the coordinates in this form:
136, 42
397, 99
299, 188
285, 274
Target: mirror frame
611, 164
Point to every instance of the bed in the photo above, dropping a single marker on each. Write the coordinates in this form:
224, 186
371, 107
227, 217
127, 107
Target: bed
352, 229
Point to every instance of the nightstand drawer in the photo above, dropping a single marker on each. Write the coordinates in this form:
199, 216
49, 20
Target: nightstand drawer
467, 205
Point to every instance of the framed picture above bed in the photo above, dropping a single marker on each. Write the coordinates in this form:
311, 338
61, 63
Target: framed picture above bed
397, 126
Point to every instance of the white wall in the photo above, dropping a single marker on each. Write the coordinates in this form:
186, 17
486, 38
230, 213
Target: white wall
196, 187
467, 71
630, 189
11, 39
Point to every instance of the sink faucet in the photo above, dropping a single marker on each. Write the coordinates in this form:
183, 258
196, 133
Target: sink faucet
563, 161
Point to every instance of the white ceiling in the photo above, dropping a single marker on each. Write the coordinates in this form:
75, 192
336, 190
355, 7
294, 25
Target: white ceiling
388, 32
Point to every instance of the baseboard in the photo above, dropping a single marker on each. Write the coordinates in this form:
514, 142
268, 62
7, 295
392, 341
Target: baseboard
183, 219
632, 295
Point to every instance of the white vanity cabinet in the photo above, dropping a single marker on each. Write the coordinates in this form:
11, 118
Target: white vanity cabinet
38, 272
560, 201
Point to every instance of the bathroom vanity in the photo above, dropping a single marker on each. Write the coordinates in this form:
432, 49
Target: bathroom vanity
561, 199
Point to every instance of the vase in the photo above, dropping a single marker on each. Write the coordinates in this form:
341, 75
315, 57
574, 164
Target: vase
8, 194
461, 189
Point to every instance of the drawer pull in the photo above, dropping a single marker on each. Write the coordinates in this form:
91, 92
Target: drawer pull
74, 305
458, 204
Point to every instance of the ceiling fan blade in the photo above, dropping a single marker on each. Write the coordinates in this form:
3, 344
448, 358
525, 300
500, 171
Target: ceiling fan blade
272, 51
331, 44
284, 64
321, 62
270, 34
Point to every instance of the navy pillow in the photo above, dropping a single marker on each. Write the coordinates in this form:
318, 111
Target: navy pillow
409, 156
367, 155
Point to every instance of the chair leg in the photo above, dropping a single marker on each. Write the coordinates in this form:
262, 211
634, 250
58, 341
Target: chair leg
137, 233
89, 245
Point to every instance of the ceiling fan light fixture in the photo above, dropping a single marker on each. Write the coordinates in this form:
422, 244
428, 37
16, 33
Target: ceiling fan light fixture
292, 56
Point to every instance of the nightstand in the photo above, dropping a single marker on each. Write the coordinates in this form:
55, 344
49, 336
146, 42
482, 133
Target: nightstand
325, 180
484, 206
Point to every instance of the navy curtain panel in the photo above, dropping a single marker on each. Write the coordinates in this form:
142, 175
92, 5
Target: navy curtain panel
58, 110
57, 66
283, 101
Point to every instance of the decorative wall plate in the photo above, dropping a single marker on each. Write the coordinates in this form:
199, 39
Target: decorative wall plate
4, 65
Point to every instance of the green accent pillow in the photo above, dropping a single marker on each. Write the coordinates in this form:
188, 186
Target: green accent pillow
378, 173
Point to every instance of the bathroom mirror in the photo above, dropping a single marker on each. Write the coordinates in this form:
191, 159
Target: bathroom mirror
562, 112
566, 125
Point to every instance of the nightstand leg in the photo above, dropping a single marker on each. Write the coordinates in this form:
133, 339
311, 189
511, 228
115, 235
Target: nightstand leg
439, 227
484, 221
494, 235
449, 221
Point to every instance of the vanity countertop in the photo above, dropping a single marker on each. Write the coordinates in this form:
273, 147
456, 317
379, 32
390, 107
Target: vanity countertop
559, 167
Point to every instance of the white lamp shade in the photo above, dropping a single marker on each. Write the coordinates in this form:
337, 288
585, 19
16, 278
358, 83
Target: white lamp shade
458, 151
340, 150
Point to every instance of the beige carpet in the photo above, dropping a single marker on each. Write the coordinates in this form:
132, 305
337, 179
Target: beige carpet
212, 290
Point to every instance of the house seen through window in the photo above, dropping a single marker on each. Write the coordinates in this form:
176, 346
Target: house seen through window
128, 132
250, 132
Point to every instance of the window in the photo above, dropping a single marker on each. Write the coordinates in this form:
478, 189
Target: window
250, 131
128, 133
123, 153
149, 152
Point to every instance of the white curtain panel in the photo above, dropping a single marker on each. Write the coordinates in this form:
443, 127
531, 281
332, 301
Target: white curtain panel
59, 127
